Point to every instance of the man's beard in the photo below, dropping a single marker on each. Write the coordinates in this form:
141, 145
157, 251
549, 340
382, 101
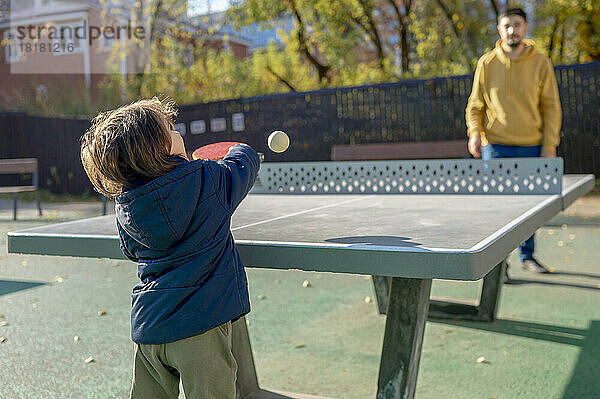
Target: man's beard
514, 43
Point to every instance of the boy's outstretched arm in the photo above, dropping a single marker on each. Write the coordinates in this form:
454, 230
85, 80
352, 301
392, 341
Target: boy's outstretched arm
236, 173
123, 245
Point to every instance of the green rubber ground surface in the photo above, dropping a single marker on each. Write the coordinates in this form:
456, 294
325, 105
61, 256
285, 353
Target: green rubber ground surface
324, 339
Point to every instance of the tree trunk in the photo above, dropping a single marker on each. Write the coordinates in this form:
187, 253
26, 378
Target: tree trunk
403, 32
553, 35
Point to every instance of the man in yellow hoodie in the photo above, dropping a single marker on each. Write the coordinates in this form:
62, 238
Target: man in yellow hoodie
514, 107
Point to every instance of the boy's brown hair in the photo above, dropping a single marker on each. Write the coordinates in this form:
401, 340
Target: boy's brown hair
131, 141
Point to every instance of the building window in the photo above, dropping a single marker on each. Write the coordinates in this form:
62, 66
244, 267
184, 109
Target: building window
42, 3
70, 39
12, 48
189, 55
41, 93
106, 43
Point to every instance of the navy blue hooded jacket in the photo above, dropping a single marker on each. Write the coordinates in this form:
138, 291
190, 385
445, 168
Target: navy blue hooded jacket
177, 228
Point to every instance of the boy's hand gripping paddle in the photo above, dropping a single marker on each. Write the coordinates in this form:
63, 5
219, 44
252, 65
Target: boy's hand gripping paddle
216, 151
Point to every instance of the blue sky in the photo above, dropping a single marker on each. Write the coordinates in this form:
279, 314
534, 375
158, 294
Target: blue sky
203, 6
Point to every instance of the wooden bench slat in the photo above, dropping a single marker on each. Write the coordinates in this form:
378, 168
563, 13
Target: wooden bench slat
16, 166
17, 189
413, 150
21, 166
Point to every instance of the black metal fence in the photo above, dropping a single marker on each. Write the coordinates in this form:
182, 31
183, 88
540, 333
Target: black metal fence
406, 111
54, 142
422, 110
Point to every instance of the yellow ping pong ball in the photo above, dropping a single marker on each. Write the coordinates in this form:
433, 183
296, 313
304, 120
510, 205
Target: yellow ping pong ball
278, 141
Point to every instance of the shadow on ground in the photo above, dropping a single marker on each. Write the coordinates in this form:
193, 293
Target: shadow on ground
10, 286
584, 382
561, 219
556, 283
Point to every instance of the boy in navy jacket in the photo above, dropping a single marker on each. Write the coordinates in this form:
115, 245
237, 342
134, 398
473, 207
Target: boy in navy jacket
173, 218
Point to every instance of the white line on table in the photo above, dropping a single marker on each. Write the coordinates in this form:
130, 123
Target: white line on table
301, 212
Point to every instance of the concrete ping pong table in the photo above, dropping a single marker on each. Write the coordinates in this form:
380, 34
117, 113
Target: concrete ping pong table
403, 222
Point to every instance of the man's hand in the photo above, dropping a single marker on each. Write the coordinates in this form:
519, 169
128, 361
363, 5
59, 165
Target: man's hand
548, 154
475, 146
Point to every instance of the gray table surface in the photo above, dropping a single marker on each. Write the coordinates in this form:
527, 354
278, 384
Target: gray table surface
419, 236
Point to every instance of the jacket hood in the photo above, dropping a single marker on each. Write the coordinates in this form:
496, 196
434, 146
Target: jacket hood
528, 52
157, 214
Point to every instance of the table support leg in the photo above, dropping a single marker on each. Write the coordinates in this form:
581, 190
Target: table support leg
487, 307
247, 381
381, 285
403, 339
485, 310
490, 292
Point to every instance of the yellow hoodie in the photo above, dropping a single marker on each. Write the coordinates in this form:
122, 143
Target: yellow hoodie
515, 102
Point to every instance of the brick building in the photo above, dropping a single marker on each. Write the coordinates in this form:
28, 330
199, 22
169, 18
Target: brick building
49, 45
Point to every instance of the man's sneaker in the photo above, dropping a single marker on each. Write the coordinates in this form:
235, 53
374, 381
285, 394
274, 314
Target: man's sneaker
532, 265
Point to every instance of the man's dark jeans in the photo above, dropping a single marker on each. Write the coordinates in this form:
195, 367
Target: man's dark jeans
492, 151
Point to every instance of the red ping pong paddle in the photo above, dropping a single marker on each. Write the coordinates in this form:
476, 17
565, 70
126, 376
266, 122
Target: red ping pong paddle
216, 151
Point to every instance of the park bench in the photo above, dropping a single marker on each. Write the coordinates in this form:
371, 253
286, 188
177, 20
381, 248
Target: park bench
19, 167
443, 149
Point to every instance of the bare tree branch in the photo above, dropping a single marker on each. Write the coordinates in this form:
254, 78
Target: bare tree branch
281, 79
495, 8
448, 14
322, 69
371, 29
555, 26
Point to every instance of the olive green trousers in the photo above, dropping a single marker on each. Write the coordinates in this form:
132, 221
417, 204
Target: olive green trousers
203, 363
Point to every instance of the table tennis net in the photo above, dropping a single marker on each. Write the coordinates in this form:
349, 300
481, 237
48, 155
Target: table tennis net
455, 176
